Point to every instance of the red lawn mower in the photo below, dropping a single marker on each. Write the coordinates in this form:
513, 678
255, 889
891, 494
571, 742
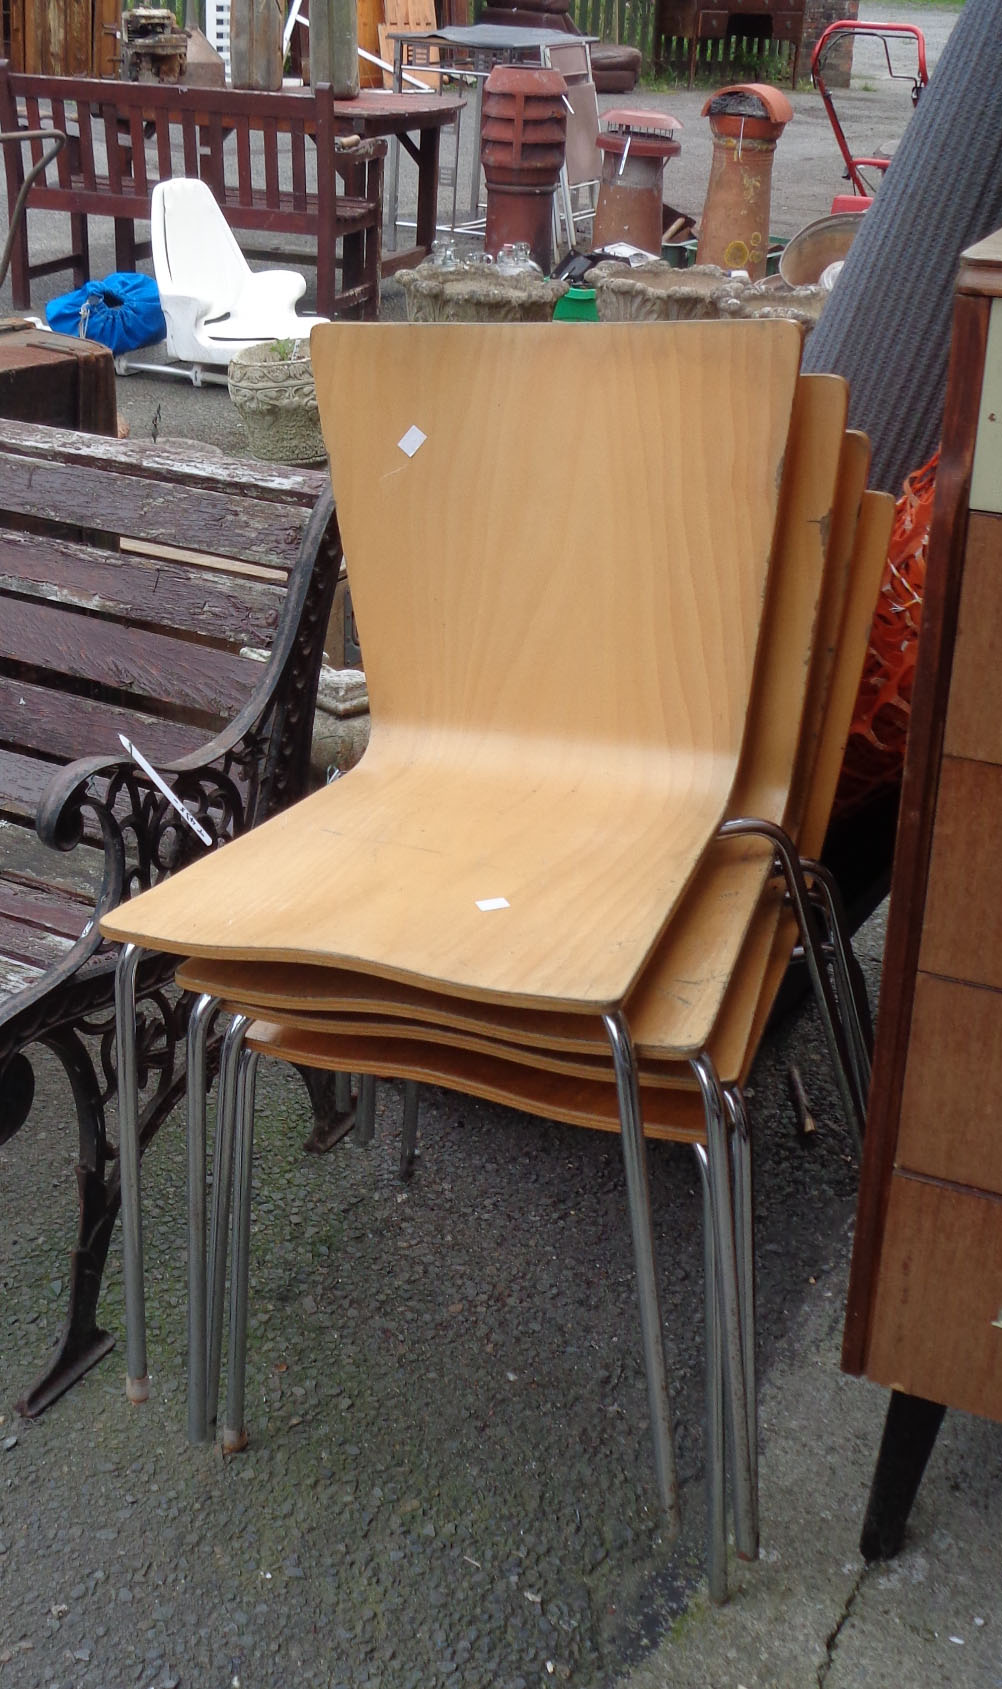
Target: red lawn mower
863, 189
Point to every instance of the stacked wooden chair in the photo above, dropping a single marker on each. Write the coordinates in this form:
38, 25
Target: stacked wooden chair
613, 592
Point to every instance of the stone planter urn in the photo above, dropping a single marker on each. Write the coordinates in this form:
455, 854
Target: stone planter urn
341, 722
461, 294
272, 388
657, 291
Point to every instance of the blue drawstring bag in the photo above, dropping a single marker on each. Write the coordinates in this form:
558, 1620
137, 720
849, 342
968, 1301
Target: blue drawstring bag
122, 312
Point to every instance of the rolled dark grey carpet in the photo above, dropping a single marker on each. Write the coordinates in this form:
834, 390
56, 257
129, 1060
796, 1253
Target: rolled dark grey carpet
886, 327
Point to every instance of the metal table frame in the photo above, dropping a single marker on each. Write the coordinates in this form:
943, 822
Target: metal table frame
478, 48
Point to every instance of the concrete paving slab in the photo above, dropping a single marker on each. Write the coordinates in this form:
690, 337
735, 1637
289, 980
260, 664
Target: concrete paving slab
811, 1612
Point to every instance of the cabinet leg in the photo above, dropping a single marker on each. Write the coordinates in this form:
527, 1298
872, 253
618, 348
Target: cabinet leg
910, 1431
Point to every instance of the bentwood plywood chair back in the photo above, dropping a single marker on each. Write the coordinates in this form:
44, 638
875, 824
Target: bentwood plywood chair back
570, 510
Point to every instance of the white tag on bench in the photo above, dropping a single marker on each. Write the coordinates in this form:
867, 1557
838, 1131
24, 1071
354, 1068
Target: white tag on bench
162, 786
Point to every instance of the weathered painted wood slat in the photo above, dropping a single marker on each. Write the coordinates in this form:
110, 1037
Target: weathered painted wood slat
133, 661
157, 590
39, 724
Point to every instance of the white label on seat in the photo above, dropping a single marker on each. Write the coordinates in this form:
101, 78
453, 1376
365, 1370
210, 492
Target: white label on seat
412, 441
486, 903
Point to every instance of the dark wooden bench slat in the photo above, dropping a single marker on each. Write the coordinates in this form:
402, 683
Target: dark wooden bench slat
35, 905
33, 946
121, 585
283, 495
214, 165
107, 119
16, 976
203, 521
22, 782
137, 141
34, 721
182, 677
300, 195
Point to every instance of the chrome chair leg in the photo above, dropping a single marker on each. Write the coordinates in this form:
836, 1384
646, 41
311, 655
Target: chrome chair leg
638, 1195
722, 1208
137, 1383
744, 1231
409, 1130
716, 1477
222, 1183
853, 1103
198, 1028
234, 1429
850, 983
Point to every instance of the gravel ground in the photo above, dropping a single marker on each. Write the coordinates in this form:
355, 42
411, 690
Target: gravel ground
449, 1479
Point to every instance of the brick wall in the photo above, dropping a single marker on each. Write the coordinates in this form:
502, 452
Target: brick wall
818, 14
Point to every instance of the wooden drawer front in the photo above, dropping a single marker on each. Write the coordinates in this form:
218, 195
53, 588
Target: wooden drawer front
712, 25
787, 26
951, 1105
962, 929
974, 718
936, 1329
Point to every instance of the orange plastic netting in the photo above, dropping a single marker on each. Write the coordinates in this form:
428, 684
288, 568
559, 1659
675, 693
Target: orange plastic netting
875, 752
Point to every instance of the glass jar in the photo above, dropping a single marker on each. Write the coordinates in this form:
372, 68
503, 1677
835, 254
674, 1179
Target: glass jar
515, 259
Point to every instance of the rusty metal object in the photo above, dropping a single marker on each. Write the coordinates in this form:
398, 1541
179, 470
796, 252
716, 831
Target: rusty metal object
806, 1123
746, 121
523, 136
153, 48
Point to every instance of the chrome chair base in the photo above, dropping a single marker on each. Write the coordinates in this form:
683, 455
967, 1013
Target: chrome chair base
725, 1168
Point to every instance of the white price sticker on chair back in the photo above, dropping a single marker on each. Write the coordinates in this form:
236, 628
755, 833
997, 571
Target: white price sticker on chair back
412, 441
486, 903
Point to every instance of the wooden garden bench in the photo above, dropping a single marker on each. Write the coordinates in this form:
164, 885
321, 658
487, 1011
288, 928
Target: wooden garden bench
106, 629
278, 164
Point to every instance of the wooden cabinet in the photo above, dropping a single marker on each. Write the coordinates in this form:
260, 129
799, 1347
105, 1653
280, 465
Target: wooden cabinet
925, 1298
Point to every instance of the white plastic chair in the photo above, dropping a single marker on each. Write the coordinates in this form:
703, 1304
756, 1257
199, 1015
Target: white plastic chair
214, 304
